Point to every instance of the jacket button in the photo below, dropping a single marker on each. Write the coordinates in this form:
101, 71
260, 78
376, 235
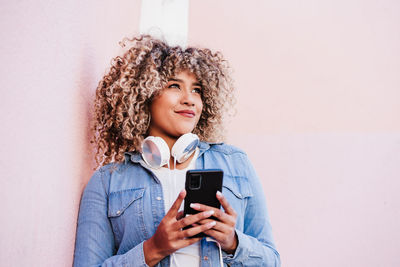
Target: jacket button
205, 258
118, 212
158, 198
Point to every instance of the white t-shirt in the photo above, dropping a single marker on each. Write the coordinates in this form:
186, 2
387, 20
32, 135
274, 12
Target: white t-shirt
172, 182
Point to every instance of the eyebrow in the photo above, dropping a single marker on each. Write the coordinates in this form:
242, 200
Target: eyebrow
179, 80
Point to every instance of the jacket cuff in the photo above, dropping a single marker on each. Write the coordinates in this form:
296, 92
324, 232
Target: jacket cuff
240, 252
135, 257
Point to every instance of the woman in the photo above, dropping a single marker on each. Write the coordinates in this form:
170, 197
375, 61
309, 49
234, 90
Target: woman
130, 212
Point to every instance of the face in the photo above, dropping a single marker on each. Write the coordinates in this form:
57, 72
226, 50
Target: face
177, 109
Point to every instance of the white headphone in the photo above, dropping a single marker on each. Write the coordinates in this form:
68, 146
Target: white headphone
155, 150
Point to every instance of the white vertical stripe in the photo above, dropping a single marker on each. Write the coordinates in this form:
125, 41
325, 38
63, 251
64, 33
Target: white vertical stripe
166, 19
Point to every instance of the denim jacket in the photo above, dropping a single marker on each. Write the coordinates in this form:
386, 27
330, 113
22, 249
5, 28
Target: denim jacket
122, 205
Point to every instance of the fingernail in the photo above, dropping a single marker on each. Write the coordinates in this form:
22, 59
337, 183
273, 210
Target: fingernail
209, 213
211, 224
219, 193
194, 206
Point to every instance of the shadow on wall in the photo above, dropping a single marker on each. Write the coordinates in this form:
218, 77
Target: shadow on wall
84, 97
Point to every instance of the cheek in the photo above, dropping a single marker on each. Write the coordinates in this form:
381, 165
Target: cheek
199, 105
157, 112
199, 110
162, 103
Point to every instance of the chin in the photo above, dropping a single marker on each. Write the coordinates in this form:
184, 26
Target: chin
184, 131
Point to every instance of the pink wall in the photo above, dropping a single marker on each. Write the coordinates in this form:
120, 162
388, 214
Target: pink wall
318, 113
52, 56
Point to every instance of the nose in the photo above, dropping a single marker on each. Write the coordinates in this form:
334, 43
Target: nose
187, 98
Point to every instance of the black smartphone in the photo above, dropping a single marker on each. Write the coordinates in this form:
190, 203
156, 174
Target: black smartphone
201, 187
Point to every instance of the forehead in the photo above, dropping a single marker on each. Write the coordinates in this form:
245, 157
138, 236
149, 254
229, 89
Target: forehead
184, 76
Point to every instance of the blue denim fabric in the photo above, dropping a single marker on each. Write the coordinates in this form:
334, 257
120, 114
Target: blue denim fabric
122, 205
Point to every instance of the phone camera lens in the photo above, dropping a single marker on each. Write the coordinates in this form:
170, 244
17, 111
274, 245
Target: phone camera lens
195, 182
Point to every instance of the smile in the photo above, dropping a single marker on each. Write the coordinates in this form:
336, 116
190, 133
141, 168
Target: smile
186, 113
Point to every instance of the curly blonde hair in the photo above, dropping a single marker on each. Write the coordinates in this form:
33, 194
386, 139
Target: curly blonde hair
124, 94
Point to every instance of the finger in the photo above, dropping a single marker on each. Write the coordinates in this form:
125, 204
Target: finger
191, 219
225, 241
219, 226
225, 204
173, 211
202, 207
196, 230
218, 236
205, 221
219, 214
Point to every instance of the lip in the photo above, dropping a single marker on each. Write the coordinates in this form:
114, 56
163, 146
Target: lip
186, 113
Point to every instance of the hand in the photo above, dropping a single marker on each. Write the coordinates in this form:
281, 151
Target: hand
224, 230
169, 235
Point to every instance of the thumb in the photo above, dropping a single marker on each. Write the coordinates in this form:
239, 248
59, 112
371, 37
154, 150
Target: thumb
173, 211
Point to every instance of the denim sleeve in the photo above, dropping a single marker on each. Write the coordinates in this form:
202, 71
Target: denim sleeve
94, 244
255, 244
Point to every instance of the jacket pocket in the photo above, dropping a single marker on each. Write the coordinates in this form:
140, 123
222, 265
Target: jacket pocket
119, 201
237, 190
126, 214
238, 186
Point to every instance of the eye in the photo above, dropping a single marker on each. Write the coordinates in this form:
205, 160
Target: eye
174, 85
197, 90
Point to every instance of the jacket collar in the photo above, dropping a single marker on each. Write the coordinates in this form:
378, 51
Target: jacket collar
136, 156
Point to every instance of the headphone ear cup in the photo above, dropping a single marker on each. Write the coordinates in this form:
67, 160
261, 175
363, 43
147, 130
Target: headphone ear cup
155, 152
184, 147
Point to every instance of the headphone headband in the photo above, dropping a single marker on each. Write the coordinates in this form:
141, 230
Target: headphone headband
156, 154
